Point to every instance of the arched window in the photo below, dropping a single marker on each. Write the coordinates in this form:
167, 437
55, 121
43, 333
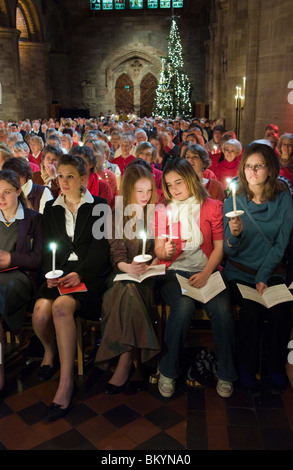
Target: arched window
124, 94
148, 87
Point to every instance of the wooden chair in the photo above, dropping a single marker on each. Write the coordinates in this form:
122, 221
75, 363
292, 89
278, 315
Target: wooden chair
83, 327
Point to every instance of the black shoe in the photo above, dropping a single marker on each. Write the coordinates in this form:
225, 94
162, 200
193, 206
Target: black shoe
55, 412
46, 372
111, 389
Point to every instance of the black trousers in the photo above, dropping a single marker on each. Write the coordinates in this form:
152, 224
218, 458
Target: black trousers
250, 325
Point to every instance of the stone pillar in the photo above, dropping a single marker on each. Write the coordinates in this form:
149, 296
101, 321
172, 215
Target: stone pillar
11, 106
250, 110
34, 79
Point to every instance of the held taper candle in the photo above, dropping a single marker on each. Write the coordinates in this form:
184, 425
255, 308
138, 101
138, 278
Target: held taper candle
53, 248
170, 224
143, 236
233, 187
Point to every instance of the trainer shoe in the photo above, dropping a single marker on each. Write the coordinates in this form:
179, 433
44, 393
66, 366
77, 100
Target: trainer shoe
166, 386
224, 389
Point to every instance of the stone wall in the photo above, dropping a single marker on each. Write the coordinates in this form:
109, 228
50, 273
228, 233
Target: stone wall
252, 39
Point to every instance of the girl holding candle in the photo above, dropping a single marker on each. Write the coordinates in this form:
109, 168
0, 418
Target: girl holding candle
20, 255
68, 221
195, 253
255, 244
128, 337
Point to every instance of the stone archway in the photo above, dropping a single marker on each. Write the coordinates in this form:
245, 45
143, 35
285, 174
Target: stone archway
136, 64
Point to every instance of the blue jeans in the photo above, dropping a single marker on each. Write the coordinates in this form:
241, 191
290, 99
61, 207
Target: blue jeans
182, 308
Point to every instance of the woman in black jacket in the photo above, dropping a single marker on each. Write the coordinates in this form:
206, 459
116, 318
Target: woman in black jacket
69, 221
20, 256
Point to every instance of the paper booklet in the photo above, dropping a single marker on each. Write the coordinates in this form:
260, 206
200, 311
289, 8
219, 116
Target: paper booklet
291, 286
154, 270
213, 287
81, 287
271, 295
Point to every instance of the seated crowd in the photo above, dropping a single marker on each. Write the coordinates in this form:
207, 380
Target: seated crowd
116, 197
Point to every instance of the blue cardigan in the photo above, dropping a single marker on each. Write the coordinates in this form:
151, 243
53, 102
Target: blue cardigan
275, 219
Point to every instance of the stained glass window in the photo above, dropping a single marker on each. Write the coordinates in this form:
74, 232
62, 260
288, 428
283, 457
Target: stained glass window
165, 3
136, 4
119, 4
177, 3
153, 3
107, 4
95, 5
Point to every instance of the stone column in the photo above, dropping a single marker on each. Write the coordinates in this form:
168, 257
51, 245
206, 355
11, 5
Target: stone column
250, 110
34, 79
11, 106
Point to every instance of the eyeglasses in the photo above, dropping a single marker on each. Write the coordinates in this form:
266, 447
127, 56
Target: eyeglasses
254, 167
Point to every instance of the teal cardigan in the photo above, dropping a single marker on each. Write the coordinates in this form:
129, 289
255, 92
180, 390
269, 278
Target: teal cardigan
275, 219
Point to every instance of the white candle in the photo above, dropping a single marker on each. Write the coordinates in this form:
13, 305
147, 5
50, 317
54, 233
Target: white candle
53, 248
170, 224
233, 187
143, 236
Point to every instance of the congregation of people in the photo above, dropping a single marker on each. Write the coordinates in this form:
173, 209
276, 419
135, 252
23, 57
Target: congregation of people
179, 180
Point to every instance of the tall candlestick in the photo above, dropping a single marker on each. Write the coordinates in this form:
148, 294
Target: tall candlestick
233, 187
53, 248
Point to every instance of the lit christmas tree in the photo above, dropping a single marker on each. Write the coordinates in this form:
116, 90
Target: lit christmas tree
173, 91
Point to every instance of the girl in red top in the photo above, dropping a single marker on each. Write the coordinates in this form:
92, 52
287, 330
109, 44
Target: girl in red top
197, 221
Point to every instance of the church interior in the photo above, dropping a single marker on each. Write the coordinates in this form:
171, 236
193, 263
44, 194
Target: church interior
89, 59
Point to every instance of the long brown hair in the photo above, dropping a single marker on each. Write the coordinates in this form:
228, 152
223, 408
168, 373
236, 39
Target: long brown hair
185, 170
136, 170
272, 186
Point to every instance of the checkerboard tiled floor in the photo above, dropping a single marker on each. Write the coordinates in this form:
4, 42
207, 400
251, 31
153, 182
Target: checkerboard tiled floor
193, 419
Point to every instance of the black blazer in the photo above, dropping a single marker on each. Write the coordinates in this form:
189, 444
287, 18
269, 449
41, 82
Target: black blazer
28, 251
93, 264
